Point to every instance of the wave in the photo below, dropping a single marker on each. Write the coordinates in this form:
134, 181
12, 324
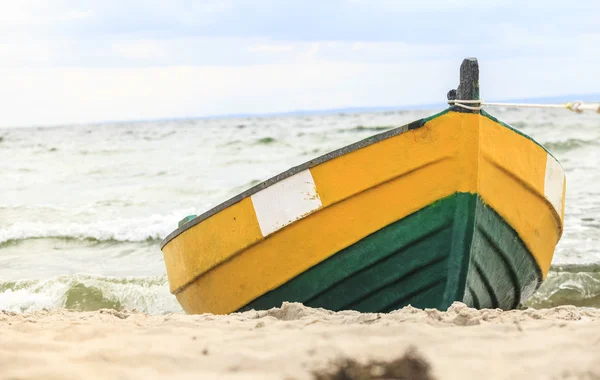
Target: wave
567, 145
89, 293
266, 140
360, 128
363, 128
577, 285
153, 228
573, 284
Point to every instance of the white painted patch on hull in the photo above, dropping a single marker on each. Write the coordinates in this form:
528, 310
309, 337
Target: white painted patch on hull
285, 202
554, 184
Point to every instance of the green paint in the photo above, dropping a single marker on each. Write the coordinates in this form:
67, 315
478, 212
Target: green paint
427, 259
435, 116
463, 224
508, 273
185, 220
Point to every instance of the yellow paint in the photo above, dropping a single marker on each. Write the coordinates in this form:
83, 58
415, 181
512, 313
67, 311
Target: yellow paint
210, 242
365, 203
364, 191
285, 254
511, 180
222, 236
451, 135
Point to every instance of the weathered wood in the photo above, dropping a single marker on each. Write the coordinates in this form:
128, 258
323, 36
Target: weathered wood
468, 88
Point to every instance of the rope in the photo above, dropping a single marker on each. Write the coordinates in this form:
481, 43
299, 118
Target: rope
464, 104
577, 107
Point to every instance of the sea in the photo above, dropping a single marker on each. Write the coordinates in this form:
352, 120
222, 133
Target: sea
83, 208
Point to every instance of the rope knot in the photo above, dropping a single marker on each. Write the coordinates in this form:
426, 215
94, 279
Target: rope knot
478, 104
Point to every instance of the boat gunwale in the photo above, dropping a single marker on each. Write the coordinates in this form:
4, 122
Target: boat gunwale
304, 166
327, 157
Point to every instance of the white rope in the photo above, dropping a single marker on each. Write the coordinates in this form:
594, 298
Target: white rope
464, 104
572, 106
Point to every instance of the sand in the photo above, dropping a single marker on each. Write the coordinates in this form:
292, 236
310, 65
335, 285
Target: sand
296, 342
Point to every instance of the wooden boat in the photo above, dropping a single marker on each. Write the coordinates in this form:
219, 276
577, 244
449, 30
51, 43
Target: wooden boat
458, 206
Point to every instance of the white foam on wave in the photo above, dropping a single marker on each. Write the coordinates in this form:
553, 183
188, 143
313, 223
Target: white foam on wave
146, 294
31, 296
133, 229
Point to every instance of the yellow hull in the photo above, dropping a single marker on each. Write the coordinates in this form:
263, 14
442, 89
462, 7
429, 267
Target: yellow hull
262, 241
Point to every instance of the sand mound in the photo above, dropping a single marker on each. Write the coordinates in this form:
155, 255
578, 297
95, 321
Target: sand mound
297, 342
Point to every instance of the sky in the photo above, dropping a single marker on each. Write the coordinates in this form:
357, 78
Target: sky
64, 62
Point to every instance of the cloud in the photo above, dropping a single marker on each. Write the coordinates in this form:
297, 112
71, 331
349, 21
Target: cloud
27, 13
139, 50
90, 61
18, 54
431, 21
208, 51
270, 48
69, 95
85, 95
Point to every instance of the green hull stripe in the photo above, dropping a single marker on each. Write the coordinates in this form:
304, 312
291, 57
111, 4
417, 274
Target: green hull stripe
457, 249
506, 264
462, 237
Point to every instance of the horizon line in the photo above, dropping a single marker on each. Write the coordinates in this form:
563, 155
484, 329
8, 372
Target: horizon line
589, 97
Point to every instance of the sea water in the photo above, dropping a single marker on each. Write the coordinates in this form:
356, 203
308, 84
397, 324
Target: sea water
83, 208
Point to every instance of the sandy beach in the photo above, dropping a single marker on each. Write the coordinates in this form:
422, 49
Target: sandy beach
296, 342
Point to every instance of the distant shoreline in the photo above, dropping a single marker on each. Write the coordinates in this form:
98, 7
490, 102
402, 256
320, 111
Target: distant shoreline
413, 107
316, 112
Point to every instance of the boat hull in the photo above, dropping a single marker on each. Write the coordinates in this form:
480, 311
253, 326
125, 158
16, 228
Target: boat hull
458, 249
456, 207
